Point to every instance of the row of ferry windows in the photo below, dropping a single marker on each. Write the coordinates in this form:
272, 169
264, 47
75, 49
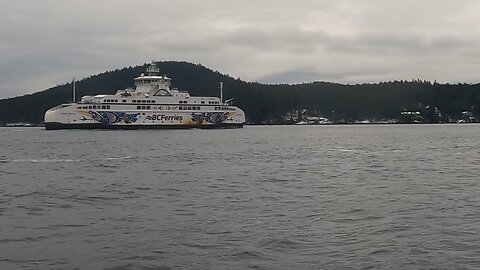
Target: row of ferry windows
184, 108
189, 108
180, 108
149, 81
152, 101
94, 107
224, 109
125, 101
198, 108
143, 101
202, 102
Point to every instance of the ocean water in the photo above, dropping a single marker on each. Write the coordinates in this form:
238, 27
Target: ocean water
263, 197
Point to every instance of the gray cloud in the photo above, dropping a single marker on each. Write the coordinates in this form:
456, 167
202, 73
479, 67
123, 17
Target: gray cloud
44, 43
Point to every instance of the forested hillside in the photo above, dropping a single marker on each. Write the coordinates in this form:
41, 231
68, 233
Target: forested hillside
267, 102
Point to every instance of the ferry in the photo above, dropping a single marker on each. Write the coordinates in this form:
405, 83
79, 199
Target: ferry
152, 104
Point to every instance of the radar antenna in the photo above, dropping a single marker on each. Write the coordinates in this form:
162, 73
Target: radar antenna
221, 92
152, 69
73, 86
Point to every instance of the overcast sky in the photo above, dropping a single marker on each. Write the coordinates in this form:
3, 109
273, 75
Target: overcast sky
48, 42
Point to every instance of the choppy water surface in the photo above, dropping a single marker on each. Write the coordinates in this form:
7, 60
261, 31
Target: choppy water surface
310, 197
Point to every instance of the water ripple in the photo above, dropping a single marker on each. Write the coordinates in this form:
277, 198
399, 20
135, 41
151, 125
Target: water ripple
331, 197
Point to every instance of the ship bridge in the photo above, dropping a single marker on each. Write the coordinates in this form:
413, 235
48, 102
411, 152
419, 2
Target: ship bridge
154, 84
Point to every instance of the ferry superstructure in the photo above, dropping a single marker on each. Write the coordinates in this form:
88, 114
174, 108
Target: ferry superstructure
152, 104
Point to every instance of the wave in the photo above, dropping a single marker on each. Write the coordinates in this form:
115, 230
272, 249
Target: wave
115, 158
32, 160
341, 149
43, 160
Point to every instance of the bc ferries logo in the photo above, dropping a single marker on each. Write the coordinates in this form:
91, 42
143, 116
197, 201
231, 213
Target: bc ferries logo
164, 117
111, 117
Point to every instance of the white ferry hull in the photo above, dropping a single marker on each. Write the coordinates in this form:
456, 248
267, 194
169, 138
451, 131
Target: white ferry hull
57, 126
71, 118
